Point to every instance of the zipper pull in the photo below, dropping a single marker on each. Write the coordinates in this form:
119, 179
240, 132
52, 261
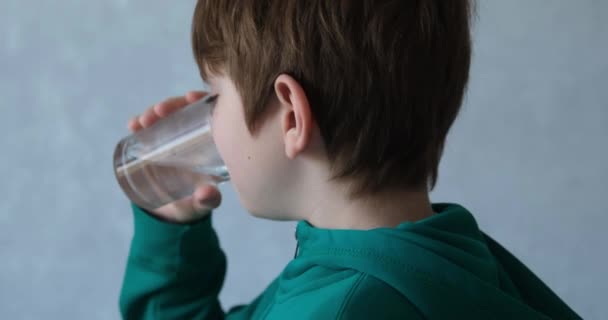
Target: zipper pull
295, 235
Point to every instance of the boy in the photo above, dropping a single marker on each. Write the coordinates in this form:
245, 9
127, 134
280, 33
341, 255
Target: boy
333, 113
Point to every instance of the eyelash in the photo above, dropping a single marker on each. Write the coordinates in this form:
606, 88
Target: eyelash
212, 98
212, 101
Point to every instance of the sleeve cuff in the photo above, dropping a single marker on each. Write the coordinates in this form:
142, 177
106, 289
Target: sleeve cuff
167, 243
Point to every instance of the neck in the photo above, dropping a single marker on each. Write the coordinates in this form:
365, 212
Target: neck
326, 203
332, 208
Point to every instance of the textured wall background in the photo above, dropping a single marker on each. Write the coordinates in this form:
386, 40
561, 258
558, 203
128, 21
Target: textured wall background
528, 154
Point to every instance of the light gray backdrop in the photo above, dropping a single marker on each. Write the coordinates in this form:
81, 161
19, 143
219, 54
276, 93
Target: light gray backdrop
528, 154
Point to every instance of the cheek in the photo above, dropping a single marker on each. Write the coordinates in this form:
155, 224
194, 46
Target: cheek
255, 164
225, 141
233, 144
244, 174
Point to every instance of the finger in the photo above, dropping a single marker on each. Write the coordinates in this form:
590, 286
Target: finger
148, 118
206, 198
169, 106
134, 124
193, 96
179, 211
191, 208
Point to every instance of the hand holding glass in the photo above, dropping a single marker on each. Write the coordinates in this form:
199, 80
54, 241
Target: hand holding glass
167, 161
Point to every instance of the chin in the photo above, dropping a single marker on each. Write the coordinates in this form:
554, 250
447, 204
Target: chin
270, 215
262, 210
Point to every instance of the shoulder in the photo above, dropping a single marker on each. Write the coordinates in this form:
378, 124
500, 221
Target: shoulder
324, 293
371, 298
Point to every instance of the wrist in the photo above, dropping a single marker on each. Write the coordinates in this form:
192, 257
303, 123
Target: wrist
156, 240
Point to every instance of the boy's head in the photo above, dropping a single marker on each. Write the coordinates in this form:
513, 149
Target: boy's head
382, 82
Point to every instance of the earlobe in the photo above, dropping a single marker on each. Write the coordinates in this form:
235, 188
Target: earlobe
296, 116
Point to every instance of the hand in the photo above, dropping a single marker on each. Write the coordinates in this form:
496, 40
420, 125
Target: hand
204, 198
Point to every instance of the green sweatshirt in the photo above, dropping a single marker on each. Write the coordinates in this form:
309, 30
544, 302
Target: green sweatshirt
442, 267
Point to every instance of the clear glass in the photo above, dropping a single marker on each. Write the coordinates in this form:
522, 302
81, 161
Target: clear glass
168, 160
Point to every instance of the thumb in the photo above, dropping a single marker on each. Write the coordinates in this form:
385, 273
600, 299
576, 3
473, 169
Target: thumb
206, 198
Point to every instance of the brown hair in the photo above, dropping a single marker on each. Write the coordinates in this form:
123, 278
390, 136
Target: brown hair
385, 79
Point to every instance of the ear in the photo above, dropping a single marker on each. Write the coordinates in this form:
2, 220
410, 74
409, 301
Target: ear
295, 115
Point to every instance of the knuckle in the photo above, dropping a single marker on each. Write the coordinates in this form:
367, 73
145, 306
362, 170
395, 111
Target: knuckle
159, 109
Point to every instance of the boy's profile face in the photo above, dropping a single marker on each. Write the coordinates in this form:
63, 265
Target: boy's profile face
257, 163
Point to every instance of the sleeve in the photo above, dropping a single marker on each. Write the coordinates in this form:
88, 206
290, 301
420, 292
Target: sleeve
173, 271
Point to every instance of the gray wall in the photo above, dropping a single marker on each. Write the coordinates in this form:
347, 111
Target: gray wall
528, 154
